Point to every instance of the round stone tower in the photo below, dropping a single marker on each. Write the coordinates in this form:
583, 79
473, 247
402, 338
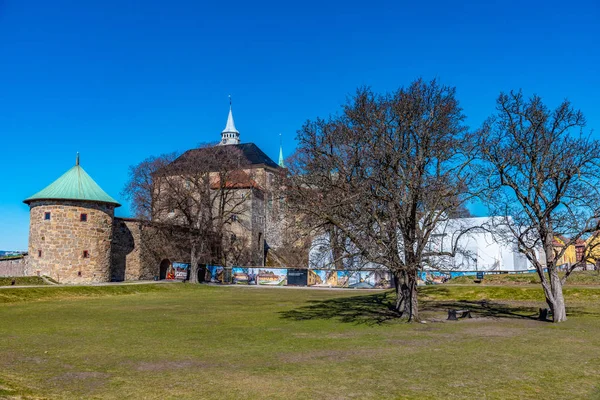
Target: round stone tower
70, 229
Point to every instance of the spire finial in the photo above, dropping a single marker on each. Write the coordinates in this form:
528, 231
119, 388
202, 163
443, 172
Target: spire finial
77, 159
229, 101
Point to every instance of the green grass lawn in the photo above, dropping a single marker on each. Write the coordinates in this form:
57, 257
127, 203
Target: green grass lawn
201, 342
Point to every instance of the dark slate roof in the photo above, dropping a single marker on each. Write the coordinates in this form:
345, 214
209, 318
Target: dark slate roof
250, 153
255, 155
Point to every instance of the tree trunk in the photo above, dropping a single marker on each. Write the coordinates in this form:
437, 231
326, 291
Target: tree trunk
554, 296
336, 248
553, 289
193, 265
407, 304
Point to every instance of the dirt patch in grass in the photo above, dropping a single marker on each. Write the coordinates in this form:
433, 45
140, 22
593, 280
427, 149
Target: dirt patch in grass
413, 343
86, 381
330, 355
349, 335
493, 331
311, 356
158, 366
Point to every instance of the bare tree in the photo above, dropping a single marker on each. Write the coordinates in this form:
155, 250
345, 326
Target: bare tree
140, 188
385, 174
207, 191
543, 179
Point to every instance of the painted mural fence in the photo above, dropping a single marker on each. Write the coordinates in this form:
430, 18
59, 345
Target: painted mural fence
436, 277
366, 279
363, 279
371, 279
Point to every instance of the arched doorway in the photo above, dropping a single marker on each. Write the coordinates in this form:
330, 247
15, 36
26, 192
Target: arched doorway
164, 266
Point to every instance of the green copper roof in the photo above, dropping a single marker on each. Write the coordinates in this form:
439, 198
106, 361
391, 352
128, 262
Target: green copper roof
75, 184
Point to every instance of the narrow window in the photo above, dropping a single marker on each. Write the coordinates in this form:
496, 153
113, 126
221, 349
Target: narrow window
47, 216
83, 217
39, 253
233, 238
86, 254
78, 273
234, 218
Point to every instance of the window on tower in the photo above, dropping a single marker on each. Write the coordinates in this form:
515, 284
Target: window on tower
46, 216
83, 217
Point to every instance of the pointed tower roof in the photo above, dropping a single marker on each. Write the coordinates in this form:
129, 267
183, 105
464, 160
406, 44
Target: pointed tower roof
230, 135
281, 163
75, 184
230, 126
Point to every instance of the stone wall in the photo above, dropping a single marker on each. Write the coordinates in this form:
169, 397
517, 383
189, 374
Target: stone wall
14, 267
57, 245
125, 255
139, 247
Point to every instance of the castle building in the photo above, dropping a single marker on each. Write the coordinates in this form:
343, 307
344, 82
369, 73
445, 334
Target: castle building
240, 173
74, 236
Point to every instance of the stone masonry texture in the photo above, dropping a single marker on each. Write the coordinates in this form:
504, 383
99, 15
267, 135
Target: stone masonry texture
57, 245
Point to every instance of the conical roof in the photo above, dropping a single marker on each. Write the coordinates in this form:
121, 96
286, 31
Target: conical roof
230, 126
75, 184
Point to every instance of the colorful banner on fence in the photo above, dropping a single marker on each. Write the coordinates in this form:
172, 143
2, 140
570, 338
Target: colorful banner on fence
215, 274
369, 279
244, 276
272, 276
178, 271
374, 279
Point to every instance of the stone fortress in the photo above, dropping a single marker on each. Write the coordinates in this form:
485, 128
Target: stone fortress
74, 236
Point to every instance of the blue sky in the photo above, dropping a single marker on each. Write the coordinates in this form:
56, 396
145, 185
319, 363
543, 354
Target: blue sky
119, 81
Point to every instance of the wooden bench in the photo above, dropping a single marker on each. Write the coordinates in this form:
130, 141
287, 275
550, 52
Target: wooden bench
454, 315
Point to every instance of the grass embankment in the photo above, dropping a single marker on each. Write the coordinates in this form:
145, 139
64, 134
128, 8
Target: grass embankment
10, 295
187, 342
21, 281
576, 278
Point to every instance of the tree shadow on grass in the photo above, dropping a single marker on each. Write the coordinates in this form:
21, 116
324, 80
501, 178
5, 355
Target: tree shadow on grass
482, 309
370, 309
376, 309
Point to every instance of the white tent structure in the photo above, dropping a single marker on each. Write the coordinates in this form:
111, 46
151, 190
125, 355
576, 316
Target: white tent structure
479, 244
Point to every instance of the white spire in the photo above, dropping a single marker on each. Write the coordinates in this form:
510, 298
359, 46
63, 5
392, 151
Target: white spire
281, 163
230, 135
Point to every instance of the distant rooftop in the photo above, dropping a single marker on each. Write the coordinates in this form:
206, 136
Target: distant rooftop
249, 155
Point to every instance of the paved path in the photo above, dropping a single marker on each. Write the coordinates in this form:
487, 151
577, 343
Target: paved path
295, 287
207, 284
